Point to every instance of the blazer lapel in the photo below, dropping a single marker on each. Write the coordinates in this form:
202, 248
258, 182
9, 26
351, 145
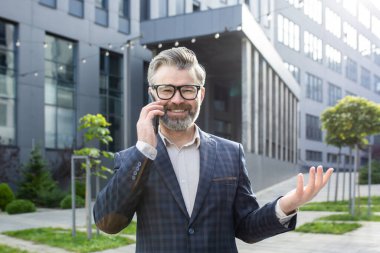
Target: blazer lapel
207, 154
165, 168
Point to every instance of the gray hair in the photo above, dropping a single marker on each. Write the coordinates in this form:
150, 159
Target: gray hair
182, 58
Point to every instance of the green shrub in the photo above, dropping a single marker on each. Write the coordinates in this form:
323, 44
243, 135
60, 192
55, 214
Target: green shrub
51, 198
6, 195
80, 189
20, 206
375, 173
36, 180
66, 202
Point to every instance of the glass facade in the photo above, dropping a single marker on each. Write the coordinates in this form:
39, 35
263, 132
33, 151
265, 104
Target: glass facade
60, 85
313, 129
111, 94
350, 35
313, 9
312, 155
312, 47
288, 33
294, 70
333, 58
351, 70
333, 22
314, 88
8, 52
335, 94
365, 78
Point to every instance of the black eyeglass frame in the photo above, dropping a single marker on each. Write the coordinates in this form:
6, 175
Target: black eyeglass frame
176, 88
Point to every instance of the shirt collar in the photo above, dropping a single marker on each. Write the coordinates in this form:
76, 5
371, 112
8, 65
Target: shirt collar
195, 140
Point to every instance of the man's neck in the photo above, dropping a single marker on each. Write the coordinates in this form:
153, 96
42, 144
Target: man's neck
179, 138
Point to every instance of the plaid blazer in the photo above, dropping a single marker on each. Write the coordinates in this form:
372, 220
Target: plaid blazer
224, 208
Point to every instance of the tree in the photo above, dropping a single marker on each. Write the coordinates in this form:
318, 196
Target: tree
36, 179
348, 123
96, 130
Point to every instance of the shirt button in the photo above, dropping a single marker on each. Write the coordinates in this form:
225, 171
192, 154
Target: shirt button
191, 231
139, 164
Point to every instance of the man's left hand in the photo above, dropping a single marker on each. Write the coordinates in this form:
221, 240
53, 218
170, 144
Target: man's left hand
302, 194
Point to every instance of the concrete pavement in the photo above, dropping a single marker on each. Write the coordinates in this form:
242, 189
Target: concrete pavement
364, 239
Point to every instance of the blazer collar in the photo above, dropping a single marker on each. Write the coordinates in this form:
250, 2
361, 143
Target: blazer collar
207, 154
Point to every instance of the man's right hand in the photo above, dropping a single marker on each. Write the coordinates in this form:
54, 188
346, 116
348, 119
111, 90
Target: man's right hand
145, 130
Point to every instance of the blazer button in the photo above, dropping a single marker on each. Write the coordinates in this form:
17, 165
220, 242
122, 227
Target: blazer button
191, 231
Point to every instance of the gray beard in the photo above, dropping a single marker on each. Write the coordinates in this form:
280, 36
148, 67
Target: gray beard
180, 124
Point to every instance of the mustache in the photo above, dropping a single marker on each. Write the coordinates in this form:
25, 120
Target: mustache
177, 107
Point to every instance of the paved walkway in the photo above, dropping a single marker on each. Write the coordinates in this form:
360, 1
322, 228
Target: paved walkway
362, 240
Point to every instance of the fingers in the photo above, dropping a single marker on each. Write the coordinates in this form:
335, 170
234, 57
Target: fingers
300, 182
319, 177
155, 107
327, 176
311, 184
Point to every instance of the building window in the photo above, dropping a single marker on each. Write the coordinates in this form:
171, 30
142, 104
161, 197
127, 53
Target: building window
76, 8
111, 94
351, 70
364, 15
334, 59
312, 47
375, 26
60, 69
163, 8
350, 35
295, 71
49, 3
288, 33
313, 129
144, 10
101, 12
313, 9
365, 78
333, 22
350, 6
376, 84
314, 88
364, 46
124, 6
124, 16
335, 94
376, 54
313, 156
196, 6
8, 72
332, 158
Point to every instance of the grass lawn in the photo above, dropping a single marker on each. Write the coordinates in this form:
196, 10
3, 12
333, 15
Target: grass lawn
130, 230
327, 227
61, 238
342, 206
6, 249
349, 217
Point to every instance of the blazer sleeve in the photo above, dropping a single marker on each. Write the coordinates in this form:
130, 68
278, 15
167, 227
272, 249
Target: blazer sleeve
117, 202
252, 223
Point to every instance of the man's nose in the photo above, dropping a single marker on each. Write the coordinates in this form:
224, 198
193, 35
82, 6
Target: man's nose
177, 98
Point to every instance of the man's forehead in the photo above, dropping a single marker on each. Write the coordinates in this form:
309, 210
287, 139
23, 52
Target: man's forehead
169, 72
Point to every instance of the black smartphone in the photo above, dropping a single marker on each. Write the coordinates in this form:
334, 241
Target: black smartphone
155, 120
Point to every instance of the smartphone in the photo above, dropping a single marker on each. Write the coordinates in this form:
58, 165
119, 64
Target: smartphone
155, 120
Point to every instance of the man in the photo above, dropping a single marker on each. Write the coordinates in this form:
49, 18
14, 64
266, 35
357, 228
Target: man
189, 189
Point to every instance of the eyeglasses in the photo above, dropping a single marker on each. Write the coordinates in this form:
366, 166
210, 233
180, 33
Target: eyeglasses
167, 91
